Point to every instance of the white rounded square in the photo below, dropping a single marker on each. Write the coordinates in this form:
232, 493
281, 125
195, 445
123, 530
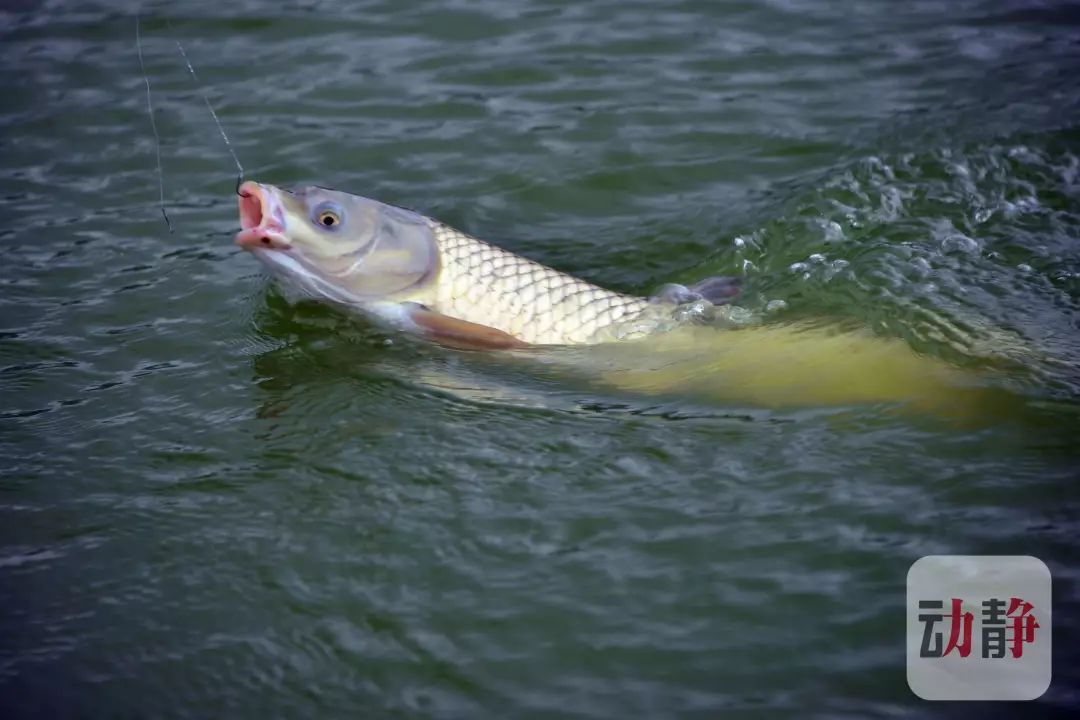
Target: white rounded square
978, 627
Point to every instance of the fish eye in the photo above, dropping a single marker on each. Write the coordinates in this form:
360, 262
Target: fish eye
328, 215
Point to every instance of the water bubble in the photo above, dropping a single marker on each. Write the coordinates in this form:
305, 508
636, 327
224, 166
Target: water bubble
833, 231
775, 306
959, 243
699, 311
835, 267
876, 163
1025, 268
740, 316
961, 170
1069, 172
1023, 153
1022, 205
891, 203
983, 214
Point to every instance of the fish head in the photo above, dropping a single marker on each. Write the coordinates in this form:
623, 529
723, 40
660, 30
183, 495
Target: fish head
337, 246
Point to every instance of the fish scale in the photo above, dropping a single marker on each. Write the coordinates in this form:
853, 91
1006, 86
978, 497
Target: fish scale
489, 286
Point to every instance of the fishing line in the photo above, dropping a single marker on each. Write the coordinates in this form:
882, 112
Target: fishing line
153, 126
213, 113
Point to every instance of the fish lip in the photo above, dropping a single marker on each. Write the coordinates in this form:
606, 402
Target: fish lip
262, 219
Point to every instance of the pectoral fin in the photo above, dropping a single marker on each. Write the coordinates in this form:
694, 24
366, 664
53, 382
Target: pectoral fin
461, 334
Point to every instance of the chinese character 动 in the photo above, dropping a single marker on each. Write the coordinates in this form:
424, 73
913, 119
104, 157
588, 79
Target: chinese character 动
959, 629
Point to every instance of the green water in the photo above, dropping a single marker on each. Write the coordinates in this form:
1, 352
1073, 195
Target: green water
216, 504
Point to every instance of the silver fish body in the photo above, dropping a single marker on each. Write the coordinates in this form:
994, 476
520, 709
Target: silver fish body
428, 276
487, 285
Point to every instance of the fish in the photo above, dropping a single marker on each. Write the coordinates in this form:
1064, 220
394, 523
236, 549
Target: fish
421, 275
417, 274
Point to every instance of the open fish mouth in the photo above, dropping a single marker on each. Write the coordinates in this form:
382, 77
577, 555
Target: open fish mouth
262, 220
